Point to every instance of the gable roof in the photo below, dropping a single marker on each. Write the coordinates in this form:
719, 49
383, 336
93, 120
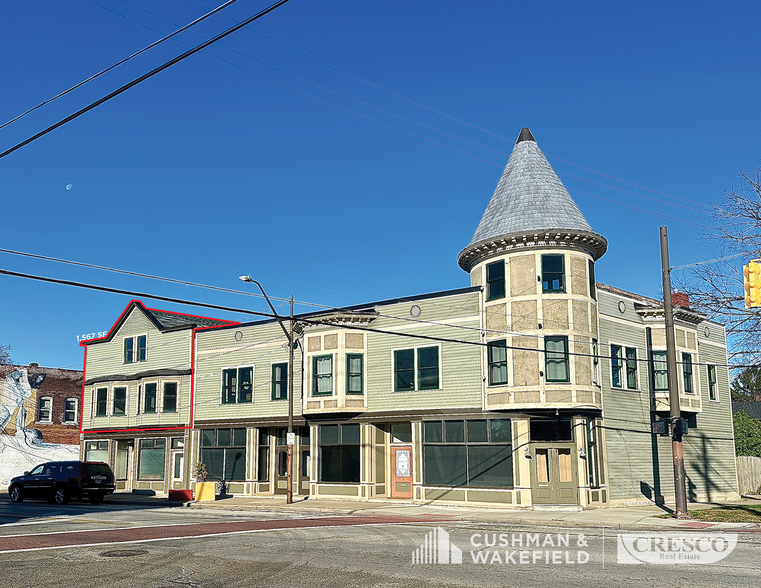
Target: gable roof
530, 198
163, 320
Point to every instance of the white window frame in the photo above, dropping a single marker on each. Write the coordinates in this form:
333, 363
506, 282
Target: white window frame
237, 369
135, 349
508, 359
416, 369
110, 397
624, 368
333, 374
95, 389
708, 381
680, 368
160, 391
50, 410
76, 411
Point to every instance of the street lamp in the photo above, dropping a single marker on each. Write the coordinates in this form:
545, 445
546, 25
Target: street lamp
289, 337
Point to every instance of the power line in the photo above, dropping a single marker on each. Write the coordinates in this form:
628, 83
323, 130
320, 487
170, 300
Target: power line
313, 321
144, 77
433, 110
117, 64
390, 113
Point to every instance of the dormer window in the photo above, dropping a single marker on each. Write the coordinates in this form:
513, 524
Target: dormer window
135, 349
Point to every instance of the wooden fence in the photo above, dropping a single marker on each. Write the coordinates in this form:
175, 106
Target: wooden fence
749, 474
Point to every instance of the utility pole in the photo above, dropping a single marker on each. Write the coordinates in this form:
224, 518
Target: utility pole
677, 449
289, 336
289, 462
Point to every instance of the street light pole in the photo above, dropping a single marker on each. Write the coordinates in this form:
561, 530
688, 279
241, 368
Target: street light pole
289, 337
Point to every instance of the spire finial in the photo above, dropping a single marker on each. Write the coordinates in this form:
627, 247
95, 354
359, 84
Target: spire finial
525, 136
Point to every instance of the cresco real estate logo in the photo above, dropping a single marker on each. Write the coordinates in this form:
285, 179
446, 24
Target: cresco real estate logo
698, 548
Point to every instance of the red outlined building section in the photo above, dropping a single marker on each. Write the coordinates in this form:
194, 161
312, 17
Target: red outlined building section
163, 321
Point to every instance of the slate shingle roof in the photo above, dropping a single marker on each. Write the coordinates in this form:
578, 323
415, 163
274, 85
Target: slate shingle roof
170, 320
530, 198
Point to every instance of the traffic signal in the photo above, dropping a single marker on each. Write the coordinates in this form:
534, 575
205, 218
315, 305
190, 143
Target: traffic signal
752, 282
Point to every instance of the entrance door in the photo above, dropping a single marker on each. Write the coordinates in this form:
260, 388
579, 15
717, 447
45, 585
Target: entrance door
553, 474
281, 470
177, 461
401, 472
305, 463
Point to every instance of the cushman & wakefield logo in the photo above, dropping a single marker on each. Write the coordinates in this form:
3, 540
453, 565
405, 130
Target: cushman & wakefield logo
505, 549
698, 548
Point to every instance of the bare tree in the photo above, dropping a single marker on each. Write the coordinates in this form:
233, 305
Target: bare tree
717, 288
5, 354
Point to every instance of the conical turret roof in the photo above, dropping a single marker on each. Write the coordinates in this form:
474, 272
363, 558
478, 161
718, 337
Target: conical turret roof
530, 203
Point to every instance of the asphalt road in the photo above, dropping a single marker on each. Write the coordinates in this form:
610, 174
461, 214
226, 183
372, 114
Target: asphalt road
277, 550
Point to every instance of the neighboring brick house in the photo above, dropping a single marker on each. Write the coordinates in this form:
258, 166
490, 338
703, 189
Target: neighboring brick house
39, 416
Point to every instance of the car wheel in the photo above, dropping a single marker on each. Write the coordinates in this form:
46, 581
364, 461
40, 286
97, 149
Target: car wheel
95, 498
60, 496
16, 494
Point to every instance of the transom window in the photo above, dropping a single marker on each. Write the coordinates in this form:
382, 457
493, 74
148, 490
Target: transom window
322, 375
135, 349
495, 280
354, 373
556, 361
279, 381
623, 367
416, 369
553, 273
468, 453
237, 385
497, 352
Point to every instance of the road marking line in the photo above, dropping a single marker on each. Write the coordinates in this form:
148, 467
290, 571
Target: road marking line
104, 530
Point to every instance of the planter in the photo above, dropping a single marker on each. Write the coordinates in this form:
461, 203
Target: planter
181, 495
205, 491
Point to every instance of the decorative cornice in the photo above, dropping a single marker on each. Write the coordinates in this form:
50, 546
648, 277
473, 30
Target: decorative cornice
338, 319
652, 314
137, 376
591, 243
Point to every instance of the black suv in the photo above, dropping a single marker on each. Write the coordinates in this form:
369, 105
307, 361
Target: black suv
58, 481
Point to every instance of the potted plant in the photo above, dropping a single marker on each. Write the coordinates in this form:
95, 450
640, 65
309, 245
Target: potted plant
204, 489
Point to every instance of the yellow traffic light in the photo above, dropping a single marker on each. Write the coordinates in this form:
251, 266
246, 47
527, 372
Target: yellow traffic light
752, 282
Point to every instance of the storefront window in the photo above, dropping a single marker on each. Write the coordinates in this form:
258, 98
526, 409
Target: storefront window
339, 453
152, 458
224, 453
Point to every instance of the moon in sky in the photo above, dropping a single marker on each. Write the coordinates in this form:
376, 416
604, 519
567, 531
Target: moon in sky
69, 186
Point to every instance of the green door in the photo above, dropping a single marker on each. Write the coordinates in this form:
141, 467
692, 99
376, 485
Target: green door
553, 474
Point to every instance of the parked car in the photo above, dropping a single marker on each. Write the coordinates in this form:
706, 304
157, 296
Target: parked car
59, 481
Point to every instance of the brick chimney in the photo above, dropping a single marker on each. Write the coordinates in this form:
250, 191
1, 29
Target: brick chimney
680, 299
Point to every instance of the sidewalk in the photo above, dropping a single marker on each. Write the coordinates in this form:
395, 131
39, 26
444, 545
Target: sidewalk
632, 517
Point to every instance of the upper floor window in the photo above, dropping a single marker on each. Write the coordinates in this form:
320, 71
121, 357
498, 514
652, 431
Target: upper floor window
553, 273
101, 401
660, 372
45, 410
497, 356
416, 369
70, 410
495, 280
592, 283
322, 375
279, 381
237, 385
354, 373
170, 397
119, 401
687, 373
149, 398
713, 392
135, 349
556, 361
623, 367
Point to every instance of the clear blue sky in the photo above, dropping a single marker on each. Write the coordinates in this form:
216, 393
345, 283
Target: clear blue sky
207, 171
